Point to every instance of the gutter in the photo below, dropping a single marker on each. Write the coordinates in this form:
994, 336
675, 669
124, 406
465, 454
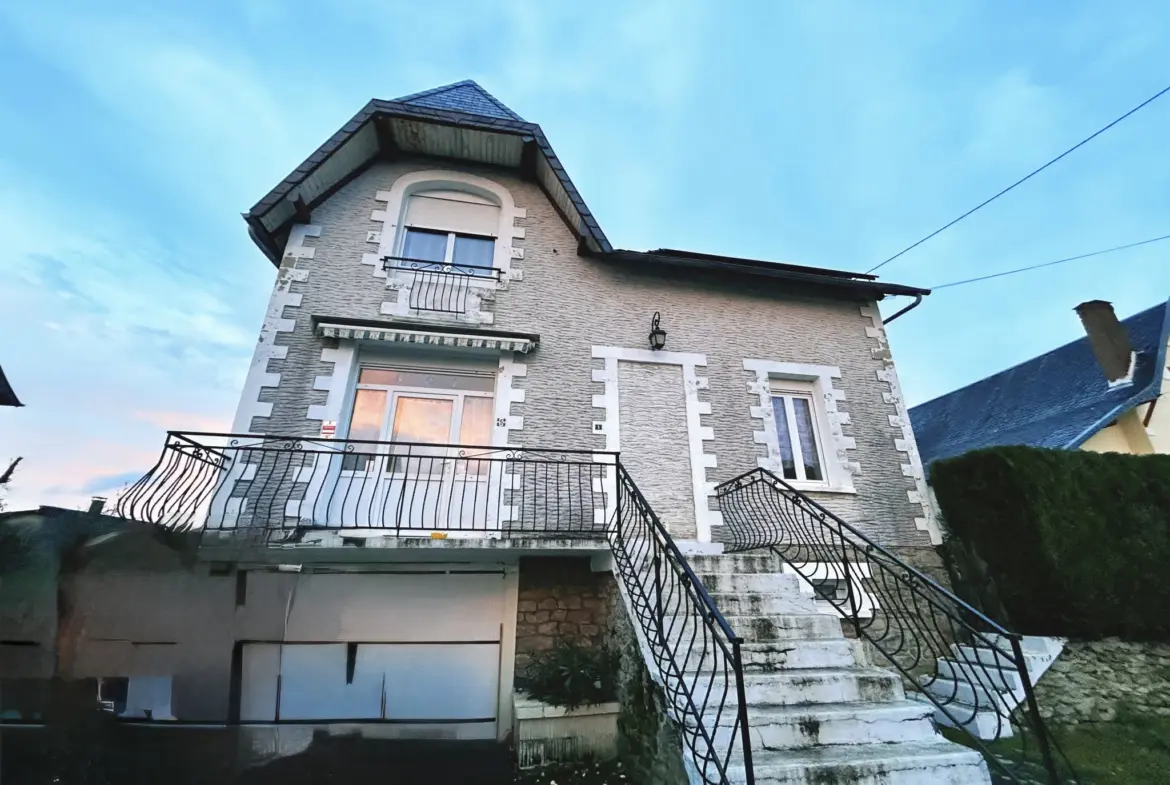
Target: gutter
917, 302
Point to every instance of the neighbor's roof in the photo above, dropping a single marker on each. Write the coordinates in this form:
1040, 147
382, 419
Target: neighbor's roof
7, 396
1058, 399
463, 121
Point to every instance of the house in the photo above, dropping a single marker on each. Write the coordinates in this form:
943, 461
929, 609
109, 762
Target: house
1100, 392
472, 429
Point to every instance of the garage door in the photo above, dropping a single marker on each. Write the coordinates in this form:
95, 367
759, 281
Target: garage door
409, 648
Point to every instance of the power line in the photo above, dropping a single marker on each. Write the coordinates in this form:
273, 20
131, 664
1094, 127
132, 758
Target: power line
1032, 174
1049, 264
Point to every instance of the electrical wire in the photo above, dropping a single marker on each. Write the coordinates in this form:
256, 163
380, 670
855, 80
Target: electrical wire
1022, 180
1050, 264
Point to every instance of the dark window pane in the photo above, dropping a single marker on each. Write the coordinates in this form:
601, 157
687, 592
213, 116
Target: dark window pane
427, 246
476, 251
808, 442
787, 461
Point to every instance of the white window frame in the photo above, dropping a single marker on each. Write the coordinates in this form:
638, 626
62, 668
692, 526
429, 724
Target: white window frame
818, 382
788, 389
392, 394
448, 262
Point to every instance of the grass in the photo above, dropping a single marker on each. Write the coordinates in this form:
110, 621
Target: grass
1133, 750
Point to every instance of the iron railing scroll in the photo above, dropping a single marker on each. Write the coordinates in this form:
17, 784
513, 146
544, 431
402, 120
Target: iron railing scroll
695, 650
911, 620
438, 287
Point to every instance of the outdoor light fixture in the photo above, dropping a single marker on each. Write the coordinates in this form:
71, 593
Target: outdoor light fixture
657, 334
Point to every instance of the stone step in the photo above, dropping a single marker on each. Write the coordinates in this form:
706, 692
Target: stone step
764, 604
801, 727
1001, 657
735, 563
796, 687
982, 724
947, 691
774, 656
750, 582
764, 629
987, 675
935, 762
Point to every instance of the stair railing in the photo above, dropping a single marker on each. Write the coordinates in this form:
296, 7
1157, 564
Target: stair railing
911, 620
694, 649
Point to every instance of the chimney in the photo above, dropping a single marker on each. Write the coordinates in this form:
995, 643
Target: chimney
96, 504
1109, 340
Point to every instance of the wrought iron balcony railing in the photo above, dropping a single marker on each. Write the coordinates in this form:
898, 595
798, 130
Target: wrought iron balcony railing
439, 287
234, 481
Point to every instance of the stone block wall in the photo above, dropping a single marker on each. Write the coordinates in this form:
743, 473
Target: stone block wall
1094, 681
560, 599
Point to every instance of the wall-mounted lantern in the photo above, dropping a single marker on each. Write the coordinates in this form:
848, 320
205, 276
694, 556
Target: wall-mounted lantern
657, 334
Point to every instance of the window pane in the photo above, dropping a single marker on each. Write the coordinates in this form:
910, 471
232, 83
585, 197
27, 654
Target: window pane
366, 423
428, 246
437, 380
787, 461
476, 429
368, 408
808, 440
426, 420
474, 250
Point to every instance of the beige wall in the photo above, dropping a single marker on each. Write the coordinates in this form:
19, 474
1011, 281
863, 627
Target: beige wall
575, 303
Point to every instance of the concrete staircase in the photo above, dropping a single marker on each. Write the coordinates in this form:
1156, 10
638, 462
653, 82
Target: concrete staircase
974, 681
819, 712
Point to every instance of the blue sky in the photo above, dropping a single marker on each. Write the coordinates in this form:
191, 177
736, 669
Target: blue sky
827, 133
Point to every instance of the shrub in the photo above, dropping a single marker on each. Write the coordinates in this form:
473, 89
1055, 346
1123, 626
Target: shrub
571, 675
1077, 543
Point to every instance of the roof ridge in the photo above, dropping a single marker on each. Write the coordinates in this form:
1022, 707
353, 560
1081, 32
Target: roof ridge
1164, 304
455, 85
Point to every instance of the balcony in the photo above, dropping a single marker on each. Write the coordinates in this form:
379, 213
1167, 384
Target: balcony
280, 485
437, 287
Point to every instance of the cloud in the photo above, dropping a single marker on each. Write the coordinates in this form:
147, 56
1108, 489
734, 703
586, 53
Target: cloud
110, 482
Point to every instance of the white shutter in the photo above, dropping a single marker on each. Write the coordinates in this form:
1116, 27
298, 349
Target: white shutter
431, 211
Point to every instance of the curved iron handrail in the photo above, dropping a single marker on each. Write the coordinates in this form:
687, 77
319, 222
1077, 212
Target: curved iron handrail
695, 650
917, 625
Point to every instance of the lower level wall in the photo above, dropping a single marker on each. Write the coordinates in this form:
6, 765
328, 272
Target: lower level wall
560, 599
1095, 681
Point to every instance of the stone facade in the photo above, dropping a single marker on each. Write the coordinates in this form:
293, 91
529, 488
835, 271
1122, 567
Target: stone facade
576, 303
1093, 682
560, 599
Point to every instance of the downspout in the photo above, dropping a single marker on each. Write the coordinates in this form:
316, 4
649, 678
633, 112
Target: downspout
917, 302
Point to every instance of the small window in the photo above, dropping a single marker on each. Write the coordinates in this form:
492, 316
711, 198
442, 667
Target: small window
462, 253
796, 431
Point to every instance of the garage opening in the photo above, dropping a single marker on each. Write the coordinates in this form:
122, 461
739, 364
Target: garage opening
412, 649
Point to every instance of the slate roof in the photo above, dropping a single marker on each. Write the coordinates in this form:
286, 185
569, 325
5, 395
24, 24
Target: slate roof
7, 395
465, 96
1058, 399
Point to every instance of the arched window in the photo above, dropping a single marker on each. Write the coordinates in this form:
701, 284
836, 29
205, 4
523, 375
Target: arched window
454, 230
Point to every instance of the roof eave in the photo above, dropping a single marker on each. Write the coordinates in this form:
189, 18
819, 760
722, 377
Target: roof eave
835, 280
584, 224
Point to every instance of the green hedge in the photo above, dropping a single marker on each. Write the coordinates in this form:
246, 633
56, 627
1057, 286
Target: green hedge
1077, 543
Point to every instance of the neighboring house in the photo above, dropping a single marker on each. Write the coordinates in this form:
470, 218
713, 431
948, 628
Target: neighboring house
7, 395
1100, 392
465, 409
